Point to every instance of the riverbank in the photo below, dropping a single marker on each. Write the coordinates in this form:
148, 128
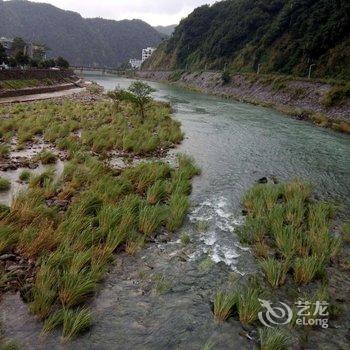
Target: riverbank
324, 104
17, 83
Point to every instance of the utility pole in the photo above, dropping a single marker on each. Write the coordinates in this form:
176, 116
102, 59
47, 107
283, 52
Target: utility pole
258, 71
310, 68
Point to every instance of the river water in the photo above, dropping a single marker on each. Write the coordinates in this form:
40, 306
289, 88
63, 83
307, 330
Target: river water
160, 299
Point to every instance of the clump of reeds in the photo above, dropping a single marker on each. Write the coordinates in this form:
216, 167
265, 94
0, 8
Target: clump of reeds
275, 271
47, 157
224, 303
283, 220
24, 176
274, 339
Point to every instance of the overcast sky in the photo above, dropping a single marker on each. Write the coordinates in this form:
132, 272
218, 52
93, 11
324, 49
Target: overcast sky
155, 12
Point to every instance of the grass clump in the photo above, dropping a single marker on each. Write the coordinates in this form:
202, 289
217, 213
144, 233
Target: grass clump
47, 157
274, 339
178, 206
337, 95
249, 304
284, 222
305, 269
275, 271
202, 225
150, 218
224, 303
185, 239
75, 322
162, 285
4, 184
24, 176
4, 150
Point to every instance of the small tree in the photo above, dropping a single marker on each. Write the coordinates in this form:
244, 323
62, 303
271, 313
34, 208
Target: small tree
62, 63
3, 56
21, 58
139, 94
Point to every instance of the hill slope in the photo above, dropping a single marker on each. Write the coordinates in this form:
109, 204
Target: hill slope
282, 36
92, 41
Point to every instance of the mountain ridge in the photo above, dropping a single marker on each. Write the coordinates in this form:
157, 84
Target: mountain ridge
83, 41
278, 36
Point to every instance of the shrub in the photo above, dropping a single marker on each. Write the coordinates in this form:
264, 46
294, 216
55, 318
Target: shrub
226, 77
4, 184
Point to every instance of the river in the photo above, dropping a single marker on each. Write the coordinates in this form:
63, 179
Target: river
160, 299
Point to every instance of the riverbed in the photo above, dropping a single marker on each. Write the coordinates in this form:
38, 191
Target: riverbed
160, 299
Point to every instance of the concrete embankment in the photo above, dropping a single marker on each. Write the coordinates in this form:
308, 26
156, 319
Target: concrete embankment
18, 82
304, 99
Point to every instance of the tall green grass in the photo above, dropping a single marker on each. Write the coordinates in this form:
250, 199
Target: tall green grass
283, 221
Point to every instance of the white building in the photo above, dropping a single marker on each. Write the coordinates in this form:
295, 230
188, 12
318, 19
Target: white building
147, 53
135, 63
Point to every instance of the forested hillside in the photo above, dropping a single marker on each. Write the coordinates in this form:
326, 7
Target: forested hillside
88, 42
282, 36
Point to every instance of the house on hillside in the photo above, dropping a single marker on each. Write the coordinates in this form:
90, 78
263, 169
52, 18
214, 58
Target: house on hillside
147, 53
135, 63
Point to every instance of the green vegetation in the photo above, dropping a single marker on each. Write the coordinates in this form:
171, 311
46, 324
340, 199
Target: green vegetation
244, 300
47, 157
161, 284
290, 234
223, 305
337, 94
4, 184
25, 176
282, 36
274, 339
19, 84
107, 211
4, 150
138, 93
202, 225
185, 239
103, 129
284, 220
